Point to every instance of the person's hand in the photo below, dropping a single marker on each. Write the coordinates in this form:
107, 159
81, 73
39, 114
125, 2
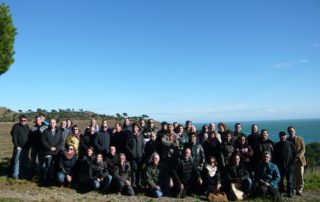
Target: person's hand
200, 180
170, 183
267, 184
69, 178
181, 187
128, 183
98, 179
19, 148
218, 185
53, 149
158, 188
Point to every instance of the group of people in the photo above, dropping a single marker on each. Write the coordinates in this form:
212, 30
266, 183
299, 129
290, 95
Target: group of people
174, 160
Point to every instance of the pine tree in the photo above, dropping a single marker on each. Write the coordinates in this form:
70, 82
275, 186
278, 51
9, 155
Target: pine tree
7, 35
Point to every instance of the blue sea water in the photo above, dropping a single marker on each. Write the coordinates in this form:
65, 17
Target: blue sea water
309, 129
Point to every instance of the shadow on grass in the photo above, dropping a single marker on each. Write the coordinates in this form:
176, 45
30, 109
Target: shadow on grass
4, 166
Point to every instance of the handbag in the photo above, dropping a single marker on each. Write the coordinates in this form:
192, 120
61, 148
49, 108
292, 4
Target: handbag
236, 192
218, 196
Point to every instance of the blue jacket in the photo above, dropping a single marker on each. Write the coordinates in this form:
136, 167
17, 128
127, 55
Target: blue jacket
268, 172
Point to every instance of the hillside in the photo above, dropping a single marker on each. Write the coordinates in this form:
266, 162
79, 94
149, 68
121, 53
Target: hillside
8, 115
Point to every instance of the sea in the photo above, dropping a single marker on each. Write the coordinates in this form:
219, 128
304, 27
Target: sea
309, 129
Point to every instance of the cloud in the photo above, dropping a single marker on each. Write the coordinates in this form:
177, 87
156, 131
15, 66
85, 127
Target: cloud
316, 45
283, 65
303, 60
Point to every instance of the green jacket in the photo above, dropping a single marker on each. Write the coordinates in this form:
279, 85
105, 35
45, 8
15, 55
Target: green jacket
155, 175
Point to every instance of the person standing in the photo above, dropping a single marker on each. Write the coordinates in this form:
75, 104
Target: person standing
238, 132
36, 145
52, 143
20, 157
300, 159
134, 152
284, 154
101, 141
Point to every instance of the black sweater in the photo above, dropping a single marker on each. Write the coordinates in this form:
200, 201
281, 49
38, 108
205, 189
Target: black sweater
20, 135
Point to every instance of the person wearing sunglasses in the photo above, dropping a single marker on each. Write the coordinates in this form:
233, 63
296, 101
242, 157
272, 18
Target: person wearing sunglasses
20, 157
66, 166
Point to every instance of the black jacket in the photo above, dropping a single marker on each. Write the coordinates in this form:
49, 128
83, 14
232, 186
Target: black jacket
284, 155
135, 146
86, 141
197, 154
99, 170
67, 166
35, 135
112, 161
234, 172
185, 172
101, 143
49, 140
149, 149
83, 167
118, 139
122, 173
20, 135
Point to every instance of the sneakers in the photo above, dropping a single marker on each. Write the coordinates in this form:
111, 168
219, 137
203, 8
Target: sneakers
299, 193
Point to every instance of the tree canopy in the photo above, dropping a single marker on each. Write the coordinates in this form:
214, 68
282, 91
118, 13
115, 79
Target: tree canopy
7, 35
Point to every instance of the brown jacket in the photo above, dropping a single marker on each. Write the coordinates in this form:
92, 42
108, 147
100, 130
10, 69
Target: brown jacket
300, 147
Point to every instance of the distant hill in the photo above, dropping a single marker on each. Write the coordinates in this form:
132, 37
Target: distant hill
8, 115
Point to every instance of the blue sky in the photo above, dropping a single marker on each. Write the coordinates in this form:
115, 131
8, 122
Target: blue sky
171, 59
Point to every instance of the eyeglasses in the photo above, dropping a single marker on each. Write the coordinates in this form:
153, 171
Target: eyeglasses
76, 129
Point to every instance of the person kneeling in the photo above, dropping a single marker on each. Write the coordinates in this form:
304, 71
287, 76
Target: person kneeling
122, 176
66, 166
157, 180
99, 174
186, 176
268, 177
238, 180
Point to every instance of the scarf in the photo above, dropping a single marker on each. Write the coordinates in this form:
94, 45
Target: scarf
211, 170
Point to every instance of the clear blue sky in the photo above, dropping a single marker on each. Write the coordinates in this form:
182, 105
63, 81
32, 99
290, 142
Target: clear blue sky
171, 59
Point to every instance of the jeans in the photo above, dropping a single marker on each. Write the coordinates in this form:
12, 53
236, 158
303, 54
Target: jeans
61, 177
124, 189
20, 160
104, 184
46, 168
288, 174
156, 193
